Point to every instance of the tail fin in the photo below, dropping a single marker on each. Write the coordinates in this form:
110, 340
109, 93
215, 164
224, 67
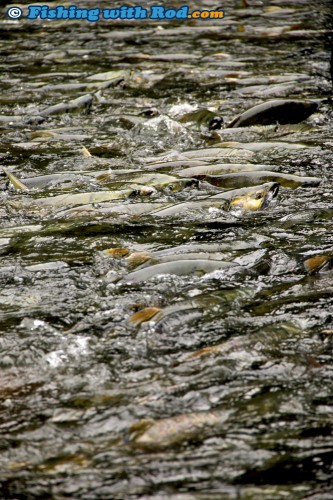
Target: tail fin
18, 185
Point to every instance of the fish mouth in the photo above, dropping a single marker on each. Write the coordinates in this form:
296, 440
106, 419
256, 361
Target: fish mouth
271, 195
256, 199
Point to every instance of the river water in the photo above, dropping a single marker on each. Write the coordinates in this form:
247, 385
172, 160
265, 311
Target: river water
191, 385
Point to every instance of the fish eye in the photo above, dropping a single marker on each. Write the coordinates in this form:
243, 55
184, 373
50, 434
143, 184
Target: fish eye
258, 196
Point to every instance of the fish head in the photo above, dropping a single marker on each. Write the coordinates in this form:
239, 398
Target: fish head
256, 198
318, 263
181, 184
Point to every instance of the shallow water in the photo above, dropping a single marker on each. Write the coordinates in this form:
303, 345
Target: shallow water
225, 391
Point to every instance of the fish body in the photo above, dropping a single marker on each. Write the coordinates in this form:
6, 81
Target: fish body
144, 315
252, 178
113, 209
318, 263
222, 168
157, 180
172, 164
277, 111
155, 435
178, 267
82, 102
250, 198
72, 199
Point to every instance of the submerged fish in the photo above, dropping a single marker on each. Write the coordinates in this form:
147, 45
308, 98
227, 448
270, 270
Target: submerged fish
202, 155
222, 168
252, 178
86, 153
281, 111
201, 116
83, 102
217, 152
178, 267
156, 180
116, 252
46, 181
173, 164
72, 199
114, 209
318, 263
144, 315
109, 76
157, 435
136, 259
260, 146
